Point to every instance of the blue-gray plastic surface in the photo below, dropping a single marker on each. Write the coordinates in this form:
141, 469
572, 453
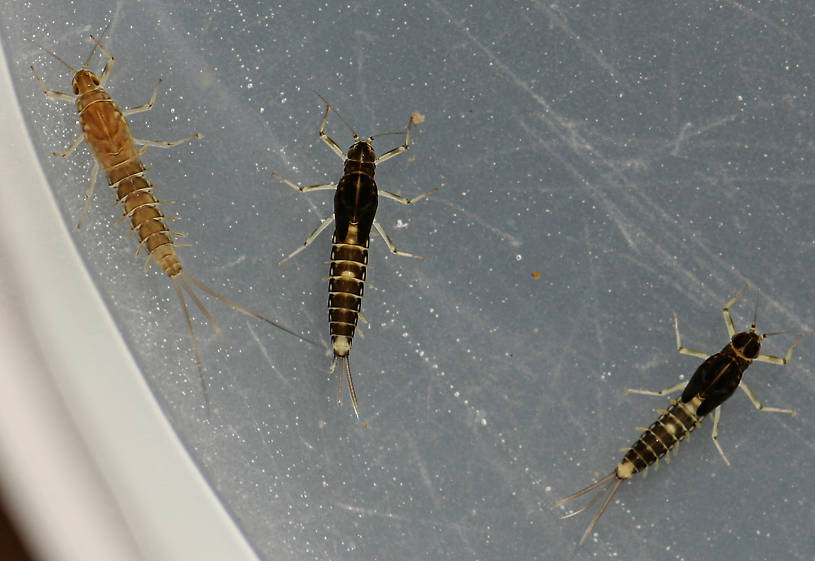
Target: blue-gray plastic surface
600, 168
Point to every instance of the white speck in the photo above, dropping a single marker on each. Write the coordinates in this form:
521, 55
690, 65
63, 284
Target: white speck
519, 257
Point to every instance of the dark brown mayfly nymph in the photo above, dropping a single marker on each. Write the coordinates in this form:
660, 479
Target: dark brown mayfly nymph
712, 384
355, 204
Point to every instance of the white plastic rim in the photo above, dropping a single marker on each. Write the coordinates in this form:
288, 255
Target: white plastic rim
90, 466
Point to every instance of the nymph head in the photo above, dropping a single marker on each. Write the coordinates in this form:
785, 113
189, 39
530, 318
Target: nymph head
747, 343
84, 81
362, 151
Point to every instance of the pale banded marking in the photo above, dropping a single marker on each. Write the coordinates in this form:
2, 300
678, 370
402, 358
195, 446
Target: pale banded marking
344, 309
649, 447
164, 232
357, 296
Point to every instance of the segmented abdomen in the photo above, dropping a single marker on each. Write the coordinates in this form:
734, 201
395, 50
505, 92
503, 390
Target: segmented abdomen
345, 288
133, 192
673, 426
109, 138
